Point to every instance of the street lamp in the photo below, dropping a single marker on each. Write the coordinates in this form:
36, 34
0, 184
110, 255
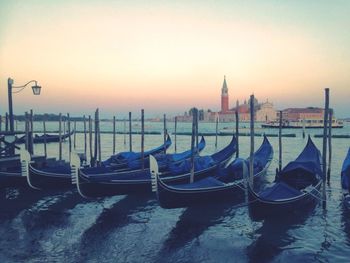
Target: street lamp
36, 91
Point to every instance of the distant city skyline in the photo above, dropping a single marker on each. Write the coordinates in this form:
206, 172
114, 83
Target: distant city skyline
168, 56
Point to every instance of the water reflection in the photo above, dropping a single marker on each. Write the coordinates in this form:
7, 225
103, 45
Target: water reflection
345, 217
193, 222
117, 216
274, 236
30, 217
13, 200
51, 211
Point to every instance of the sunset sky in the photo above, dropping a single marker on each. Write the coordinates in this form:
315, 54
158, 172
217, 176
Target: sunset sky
167, 56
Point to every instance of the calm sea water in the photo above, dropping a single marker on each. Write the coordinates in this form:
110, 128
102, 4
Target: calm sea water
56, 226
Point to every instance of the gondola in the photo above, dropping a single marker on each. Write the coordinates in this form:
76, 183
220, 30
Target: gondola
222, 187
57, 174
345, 181
11, 172
121, 161
96, 182
49, 174
165, 159
12, 177
48, 137
295, 187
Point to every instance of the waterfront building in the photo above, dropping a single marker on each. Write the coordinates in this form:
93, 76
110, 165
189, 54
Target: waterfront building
263, 111
296, 114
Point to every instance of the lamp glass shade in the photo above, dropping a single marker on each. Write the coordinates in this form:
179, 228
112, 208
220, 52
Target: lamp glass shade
36, 89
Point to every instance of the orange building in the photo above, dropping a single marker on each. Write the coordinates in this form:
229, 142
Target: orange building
263, 111
296, 114
224, 97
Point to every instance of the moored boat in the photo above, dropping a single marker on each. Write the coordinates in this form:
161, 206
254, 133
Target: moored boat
11, 170
46, 137
223, 186
295, 187
57, 174
49, 174
165, 159
103, 181
120, 161
345, 180
300, 124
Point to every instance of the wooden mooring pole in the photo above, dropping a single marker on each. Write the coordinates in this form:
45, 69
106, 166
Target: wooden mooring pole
216, 131
330, 122
280, 144
85, 148
114, 135
164, 131
26, 131
324, 151
143, 138
60, 137
96, 140
130, 135
124, 133
197, 120
31, 134
75, 135
7, 122
251, 155
237, 128
44, 127
176, 134
194, 117
69, 137
64, 125
99, 138
90, 141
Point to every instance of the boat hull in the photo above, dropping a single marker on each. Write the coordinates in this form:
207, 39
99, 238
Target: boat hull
12, 179
346, 201
89, 188
135, 182
260, 208
43, 180
172, 198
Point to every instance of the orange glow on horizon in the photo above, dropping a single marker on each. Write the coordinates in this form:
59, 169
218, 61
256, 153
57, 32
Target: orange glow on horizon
103, 57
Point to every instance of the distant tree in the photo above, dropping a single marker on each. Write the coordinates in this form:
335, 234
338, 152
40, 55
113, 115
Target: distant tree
201, 114
190, 112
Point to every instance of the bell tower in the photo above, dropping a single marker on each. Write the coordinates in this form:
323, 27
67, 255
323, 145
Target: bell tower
224, 97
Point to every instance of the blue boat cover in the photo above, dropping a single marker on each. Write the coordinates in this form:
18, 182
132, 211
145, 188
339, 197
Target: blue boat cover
227, 152
235, 170
186, 154
345, 172
203, 183
309, 160
204, 162
165, 159
278, 191
129, 156
298, 174
200, 163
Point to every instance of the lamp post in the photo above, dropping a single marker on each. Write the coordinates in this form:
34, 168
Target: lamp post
36, 91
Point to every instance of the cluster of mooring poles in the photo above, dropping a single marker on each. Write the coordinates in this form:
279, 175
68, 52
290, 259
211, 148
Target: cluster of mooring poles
95, 150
